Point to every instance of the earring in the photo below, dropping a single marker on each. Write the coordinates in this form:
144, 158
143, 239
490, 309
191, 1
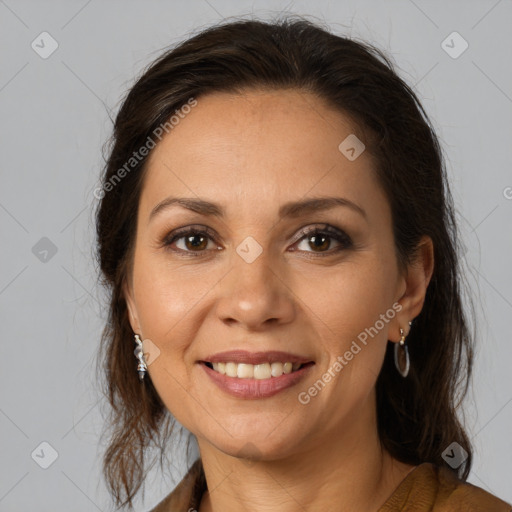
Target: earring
139, 354
402, 361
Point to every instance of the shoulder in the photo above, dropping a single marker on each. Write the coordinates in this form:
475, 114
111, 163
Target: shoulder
428, 487
456, 493
187, 494
437, 488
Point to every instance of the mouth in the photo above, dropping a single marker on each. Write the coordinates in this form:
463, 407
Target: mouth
255, 381
261, 371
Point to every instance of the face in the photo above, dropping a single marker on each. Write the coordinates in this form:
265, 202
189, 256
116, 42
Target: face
254, 274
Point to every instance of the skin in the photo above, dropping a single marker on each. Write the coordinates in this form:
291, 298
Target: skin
251, 153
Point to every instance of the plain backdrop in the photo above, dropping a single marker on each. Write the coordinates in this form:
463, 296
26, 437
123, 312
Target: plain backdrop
54, 119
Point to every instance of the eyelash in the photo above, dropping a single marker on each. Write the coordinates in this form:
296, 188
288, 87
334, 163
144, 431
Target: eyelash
325, 229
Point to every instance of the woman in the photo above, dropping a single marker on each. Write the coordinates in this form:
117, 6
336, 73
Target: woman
278, 239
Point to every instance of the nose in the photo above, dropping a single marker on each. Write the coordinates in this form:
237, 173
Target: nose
254, 295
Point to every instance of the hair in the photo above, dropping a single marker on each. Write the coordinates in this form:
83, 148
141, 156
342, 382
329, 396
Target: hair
417, 416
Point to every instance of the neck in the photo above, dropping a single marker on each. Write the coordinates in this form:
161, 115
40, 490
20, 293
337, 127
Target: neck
346, 467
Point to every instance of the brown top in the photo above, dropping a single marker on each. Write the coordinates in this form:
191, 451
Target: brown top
426, 488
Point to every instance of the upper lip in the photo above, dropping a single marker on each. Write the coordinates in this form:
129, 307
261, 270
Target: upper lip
243, 356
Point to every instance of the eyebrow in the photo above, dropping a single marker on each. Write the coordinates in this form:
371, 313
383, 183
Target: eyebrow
291, 209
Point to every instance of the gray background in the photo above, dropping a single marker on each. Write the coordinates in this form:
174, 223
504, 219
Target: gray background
54, 120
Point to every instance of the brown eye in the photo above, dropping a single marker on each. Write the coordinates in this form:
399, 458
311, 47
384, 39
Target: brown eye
319, 240
190, 240
195, 242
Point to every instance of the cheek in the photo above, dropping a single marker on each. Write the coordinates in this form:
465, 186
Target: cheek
353, 311
351, 297
167, 304
172, 302
168, 295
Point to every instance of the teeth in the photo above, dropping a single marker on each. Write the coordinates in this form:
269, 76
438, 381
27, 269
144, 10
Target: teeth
255, 371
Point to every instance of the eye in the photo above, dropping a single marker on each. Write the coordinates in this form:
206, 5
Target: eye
319, 239
191, 240
199, 239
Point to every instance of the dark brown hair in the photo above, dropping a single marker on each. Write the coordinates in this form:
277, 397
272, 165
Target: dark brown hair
417, 416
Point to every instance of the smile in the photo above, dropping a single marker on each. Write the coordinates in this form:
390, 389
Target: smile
262, 384
254, 371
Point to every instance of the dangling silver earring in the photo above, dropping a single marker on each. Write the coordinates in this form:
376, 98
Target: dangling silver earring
139, 354
402, 361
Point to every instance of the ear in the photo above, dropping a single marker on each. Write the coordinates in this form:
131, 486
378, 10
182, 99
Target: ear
416, 281
131, 307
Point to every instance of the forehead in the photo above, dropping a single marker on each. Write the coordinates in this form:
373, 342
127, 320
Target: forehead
258, 119
256, 147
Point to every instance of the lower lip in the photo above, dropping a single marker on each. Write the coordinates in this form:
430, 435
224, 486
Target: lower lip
256, 388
